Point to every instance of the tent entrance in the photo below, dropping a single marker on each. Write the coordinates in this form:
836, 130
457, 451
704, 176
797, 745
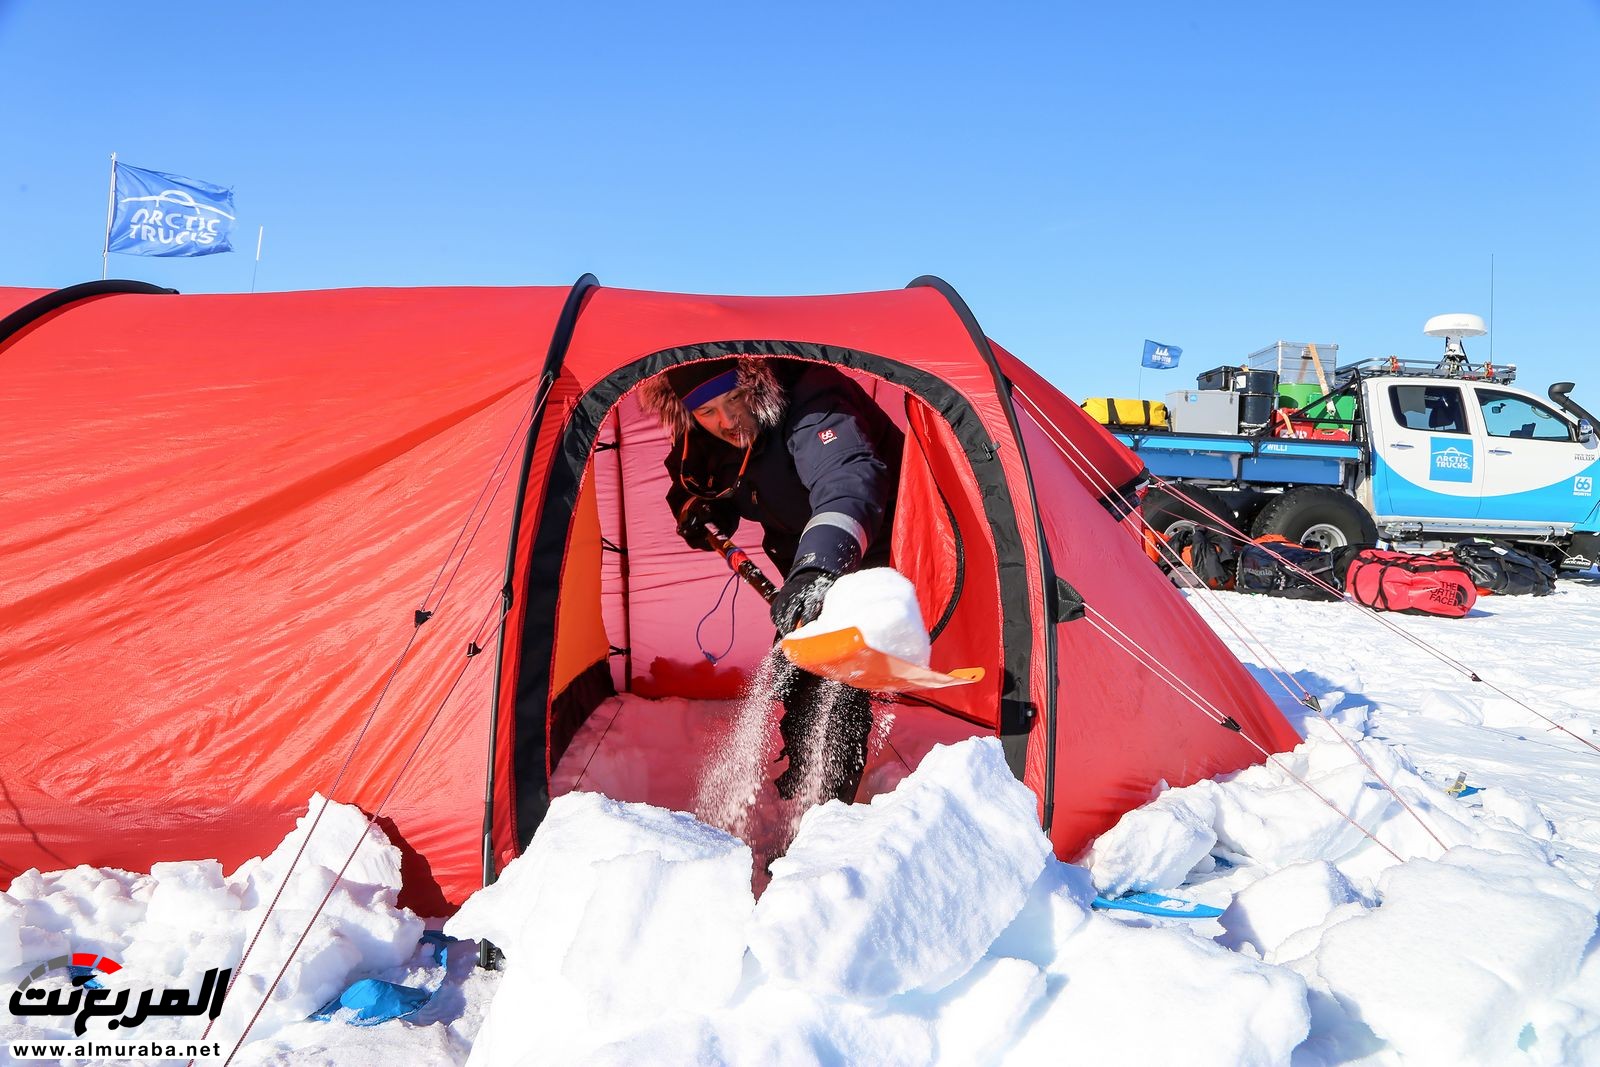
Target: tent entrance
647, 644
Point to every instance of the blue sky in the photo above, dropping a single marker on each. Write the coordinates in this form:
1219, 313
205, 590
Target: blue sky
1214, 176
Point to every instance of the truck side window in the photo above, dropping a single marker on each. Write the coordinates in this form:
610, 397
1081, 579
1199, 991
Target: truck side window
1431, 408
1510, 415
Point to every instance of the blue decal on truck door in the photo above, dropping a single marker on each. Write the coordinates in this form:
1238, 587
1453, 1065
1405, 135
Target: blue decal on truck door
1452, 459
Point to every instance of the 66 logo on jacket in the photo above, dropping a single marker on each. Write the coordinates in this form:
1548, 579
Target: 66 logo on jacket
827, 437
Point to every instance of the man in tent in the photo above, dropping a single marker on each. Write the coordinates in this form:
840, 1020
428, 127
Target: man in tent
803, 450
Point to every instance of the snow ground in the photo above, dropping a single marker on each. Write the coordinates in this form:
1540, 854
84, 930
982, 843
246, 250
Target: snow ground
931, 927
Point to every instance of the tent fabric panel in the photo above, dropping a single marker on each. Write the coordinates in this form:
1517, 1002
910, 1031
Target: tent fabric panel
1121, 727
937, 484
581, 674
916, 327
580, 635
1097, 459
222, 532
11, 299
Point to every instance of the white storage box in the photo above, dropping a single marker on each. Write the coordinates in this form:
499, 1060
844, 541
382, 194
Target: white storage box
1203, 411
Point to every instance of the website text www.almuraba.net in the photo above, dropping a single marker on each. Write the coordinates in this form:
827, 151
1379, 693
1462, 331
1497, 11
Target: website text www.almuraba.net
126, 1051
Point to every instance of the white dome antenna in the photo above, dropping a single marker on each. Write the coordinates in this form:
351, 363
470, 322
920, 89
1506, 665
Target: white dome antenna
1454, 328
1458, 325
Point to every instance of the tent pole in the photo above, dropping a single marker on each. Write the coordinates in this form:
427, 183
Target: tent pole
622, 561
260, 236
560, 339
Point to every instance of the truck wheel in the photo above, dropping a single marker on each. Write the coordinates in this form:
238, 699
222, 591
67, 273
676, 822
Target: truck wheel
1318, 516
1174, 512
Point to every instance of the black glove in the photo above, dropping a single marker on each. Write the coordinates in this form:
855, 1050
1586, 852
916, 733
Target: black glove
800, 599
695, 517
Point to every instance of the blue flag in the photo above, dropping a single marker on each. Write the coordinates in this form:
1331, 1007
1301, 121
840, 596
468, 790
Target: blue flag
1159, 356
160, 214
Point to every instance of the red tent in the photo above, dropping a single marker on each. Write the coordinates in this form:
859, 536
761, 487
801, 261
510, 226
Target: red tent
406, 547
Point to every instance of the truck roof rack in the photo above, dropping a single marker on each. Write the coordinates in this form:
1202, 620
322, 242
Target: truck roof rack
1460, 369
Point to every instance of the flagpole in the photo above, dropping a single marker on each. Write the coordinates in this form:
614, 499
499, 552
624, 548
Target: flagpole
111, 207
262, 232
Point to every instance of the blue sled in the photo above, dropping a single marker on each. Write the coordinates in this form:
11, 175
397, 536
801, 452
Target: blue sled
1157, 904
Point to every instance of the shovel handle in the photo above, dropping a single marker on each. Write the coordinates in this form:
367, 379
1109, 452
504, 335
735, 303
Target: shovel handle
743, 566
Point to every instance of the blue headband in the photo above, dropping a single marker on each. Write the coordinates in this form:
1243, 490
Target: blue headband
711, 388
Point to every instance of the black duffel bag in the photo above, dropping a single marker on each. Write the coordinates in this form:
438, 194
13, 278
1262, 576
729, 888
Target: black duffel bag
1503, 571
1274, 566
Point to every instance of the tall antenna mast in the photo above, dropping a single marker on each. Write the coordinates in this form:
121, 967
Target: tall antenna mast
1491, 307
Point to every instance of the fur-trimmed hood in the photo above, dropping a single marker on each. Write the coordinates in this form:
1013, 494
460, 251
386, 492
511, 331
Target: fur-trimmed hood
762, 390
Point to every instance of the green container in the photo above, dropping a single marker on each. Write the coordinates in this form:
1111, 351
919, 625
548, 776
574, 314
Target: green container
1299, 395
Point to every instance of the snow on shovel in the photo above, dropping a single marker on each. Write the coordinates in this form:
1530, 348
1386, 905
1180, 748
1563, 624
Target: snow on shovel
844, 655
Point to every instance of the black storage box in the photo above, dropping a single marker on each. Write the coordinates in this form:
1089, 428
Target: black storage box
1218, 378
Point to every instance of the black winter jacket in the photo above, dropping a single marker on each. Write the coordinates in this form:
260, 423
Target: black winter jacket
821, 483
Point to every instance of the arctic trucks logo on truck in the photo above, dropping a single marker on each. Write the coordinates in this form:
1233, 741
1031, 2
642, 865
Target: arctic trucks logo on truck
1452, 460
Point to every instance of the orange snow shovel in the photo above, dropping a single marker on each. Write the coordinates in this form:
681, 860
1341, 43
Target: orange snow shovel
844, 655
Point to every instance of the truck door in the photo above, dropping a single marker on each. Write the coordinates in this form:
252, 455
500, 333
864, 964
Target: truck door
1534, 467
1425, 463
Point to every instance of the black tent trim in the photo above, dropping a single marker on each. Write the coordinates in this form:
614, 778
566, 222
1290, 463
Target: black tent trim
34, 310
980, 341
555, 355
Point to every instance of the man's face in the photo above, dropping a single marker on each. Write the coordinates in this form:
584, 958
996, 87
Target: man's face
728, 417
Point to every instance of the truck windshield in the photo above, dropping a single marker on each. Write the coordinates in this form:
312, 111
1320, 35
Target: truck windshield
1435, 408
1510, 415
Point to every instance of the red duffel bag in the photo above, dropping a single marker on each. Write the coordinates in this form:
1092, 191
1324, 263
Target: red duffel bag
1417, 585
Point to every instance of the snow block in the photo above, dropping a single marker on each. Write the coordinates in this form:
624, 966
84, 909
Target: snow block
1475, 947
1162, 995
1156, 846
910, 889
1268, 912
634, 910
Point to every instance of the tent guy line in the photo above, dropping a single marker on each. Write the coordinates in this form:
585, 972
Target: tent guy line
1100, 622
468, 658
518, 432
1226, 529
1213, 599
423, 614
1134, 521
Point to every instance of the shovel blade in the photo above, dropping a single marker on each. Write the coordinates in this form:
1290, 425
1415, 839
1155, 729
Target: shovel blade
844, 656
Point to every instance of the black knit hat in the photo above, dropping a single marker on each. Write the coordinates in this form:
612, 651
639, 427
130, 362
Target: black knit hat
703, 380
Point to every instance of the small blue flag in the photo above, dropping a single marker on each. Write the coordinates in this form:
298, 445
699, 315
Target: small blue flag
1160, 356
160, 214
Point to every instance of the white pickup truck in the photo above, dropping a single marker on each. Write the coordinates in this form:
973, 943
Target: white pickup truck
1435, 452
